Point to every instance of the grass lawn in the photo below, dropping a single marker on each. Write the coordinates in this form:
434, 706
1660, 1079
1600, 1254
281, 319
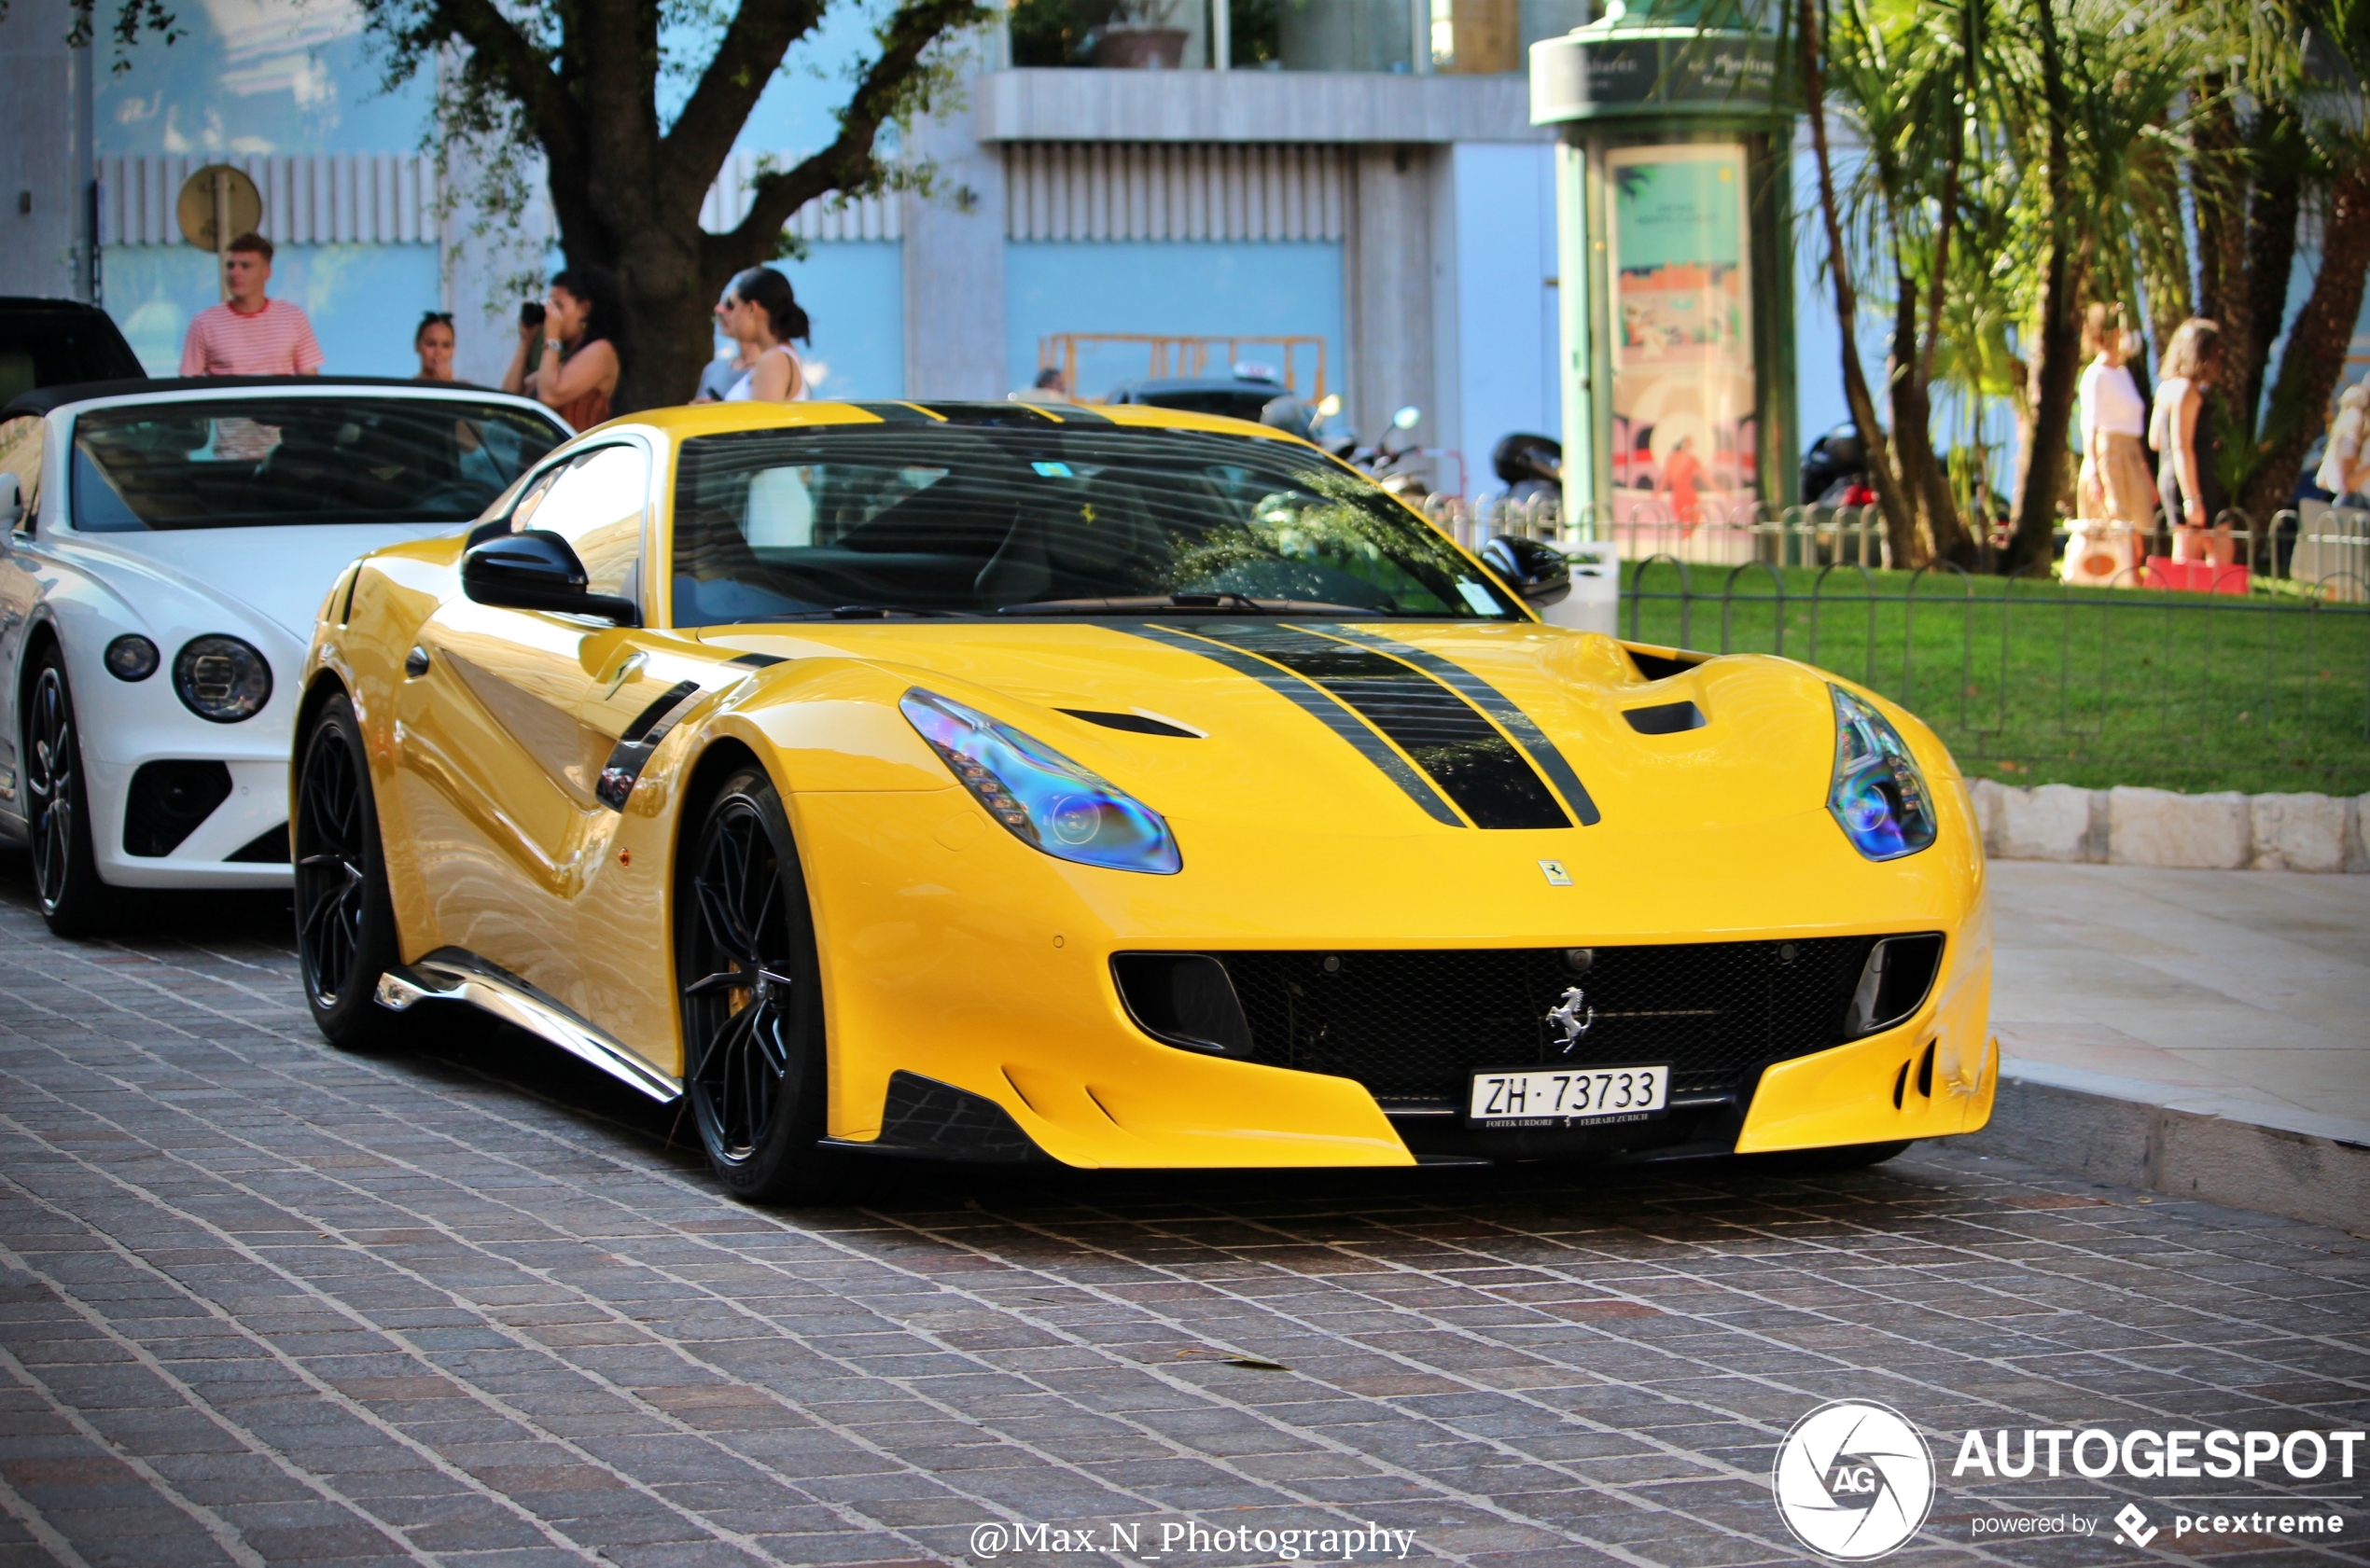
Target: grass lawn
2029, 683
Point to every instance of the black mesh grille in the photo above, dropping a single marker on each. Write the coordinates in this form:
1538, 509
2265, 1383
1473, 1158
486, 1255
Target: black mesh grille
1412, 1025
167, 801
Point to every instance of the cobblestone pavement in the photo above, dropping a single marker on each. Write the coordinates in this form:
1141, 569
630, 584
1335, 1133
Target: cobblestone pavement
262, 1302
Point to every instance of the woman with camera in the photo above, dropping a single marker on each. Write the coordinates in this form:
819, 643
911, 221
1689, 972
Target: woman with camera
574, 369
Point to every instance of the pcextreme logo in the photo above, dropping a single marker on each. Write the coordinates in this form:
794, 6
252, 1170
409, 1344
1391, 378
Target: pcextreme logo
1853, 1480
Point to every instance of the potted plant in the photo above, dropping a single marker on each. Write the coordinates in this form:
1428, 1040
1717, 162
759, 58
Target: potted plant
1138, 37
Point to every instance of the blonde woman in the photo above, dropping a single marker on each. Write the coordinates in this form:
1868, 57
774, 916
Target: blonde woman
2192, 359
2115, 480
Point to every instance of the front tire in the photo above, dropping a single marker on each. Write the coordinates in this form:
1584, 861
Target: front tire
345, 919
65, 873
752, 1002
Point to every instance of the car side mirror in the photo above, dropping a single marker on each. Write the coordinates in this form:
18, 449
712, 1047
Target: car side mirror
11, 502
1537, 570
535, 570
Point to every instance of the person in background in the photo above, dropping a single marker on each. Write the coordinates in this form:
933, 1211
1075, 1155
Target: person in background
762, 316
433, 343
572, 339
1048, 388
2345, 466
2115, 481
2191, 361
249, 334
1682, 471
717, 376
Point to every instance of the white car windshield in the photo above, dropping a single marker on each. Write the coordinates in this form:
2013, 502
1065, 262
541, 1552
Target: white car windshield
253, 462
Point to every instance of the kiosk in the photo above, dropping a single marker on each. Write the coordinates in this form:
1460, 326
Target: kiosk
1673, 210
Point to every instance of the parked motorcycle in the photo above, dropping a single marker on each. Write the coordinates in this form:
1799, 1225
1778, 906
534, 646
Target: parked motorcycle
1529, 465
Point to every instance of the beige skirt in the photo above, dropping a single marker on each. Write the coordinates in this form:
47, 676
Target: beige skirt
2129, 483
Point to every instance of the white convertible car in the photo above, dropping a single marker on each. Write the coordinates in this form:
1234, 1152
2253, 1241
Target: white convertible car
167, 547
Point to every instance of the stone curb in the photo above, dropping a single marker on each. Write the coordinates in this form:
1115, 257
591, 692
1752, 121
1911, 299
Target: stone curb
2181, 1143
2127, 825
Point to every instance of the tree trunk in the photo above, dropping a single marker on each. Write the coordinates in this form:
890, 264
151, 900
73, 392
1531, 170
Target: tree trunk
1901, 523
2057, 352
2272, 211
1920, 472
2317, 344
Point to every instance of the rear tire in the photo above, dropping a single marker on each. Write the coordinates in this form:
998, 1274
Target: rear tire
345, 919
752, 1003
65, 873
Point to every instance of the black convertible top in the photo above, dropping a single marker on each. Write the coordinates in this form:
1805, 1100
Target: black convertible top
44, 399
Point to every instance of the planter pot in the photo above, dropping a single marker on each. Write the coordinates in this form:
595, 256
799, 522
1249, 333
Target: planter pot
1127, 48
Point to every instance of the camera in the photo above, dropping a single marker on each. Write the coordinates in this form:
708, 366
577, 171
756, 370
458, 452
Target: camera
531, 314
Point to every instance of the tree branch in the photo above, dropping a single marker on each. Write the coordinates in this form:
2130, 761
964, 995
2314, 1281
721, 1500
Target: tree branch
746, 59
895, 84
523, 68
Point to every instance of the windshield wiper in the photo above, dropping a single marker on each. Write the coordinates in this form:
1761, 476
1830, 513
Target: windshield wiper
853, 611
1189, 604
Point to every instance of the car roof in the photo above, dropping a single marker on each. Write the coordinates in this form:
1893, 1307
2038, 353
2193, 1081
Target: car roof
1208, 384
704, 418
30, 304
47, 399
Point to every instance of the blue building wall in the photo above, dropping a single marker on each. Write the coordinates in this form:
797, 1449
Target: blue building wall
1204, 288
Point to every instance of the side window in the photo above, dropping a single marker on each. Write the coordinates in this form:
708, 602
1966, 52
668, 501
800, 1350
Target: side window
596, 505
21, 445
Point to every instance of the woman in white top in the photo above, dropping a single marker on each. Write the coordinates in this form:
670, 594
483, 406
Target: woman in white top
762, 316
2191, 360
2115, 481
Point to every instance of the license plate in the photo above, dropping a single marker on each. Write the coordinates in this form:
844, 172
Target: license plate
1570, 1096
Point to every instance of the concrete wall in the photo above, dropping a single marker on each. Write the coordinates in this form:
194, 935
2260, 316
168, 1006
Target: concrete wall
46, 157
1390, 283
1495, 260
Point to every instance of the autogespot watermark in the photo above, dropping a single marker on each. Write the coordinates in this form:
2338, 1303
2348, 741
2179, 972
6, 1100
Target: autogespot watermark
1189, 1538
1855, 1481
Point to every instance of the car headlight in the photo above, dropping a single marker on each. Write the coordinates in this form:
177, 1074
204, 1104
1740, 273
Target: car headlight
133, 657
1878, 795
1041, 797
222, 679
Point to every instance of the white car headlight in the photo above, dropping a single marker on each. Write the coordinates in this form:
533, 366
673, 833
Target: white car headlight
222, 679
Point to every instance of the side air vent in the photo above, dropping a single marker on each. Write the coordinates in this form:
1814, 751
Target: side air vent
1665, 719
1185, 999
167, 801
1661, 666
1893, 982
1139, 724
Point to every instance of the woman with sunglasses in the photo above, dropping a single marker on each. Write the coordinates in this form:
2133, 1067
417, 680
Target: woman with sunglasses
761, 313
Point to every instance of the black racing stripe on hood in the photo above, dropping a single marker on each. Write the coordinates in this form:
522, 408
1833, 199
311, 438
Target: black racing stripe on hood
1494, 702
1314, 702
1446, 735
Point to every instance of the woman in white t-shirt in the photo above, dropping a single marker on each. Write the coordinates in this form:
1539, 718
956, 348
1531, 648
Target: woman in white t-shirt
762, 316
2116, 482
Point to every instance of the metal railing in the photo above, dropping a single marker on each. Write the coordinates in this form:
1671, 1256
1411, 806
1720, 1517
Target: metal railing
2028, 679
2031, 680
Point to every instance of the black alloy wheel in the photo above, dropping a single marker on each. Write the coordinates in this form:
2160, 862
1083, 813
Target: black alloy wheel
752, 1003
65, 874
346, 921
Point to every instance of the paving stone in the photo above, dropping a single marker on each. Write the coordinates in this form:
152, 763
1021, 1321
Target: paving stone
475, 1304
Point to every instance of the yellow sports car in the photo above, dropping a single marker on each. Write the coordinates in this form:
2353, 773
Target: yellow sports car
1117, 788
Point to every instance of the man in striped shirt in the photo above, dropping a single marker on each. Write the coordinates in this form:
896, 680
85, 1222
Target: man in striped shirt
249, 335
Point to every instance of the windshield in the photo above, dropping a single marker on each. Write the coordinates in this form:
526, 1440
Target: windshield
254, 462
774, 524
